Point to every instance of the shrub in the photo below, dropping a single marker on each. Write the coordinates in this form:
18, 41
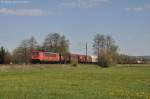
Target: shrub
105, 60
104, 63
74, 63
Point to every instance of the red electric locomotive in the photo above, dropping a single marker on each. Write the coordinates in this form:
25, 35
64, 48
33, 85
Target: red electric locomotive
45, 57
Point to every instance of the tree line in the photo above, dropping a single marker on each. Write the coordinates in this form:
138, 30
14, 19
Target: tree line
54, 42
104, 47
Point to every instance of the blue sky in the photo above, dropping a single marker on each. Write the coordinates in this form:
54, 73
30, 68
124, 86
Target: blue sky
127, 21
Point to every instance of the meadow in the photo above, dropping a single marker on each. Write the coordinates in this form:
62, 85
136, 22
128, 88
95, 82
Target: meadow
67, 82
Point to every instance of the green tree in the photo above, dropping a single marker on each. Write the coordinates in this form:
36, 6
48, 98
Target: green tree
2, 55
5, 56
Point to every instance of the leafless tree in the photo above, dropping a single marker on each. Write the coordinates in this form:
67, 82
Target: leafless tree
22, 54
55, 42
105, 49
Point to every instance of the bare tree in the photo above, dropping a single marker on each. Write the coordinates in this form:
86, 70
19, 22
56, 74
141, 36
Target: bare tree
32, 43
22, 54
64, 45
105, 49
54, 42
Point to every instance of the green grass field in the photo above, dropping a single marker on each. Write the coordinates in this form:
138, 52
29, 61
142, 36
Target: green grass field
66, 82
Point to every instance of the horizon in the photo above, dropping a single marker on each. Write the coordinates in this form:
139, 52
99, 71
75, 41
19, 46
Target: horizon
79, 20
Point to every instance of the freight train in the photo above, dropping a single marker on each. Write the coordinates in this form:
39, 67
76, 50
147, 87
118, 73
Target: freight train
50, 57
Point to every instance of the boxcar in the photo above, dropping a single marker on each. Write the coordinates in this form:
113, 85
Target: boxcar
85, 59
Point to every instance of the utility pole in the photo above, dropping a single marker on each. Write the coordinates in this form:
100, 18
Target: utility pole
98, 51
86, 52
84, 48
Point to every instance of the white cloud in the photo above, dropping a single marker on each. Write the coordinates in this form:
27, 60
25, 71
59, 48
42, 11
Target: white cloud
14, 1
83, 3
127, 9
138, 8
23, 12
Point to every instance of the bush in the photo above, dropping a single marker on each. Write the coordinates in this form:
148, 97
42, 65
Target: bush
105, 60
74, 63
104, 63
